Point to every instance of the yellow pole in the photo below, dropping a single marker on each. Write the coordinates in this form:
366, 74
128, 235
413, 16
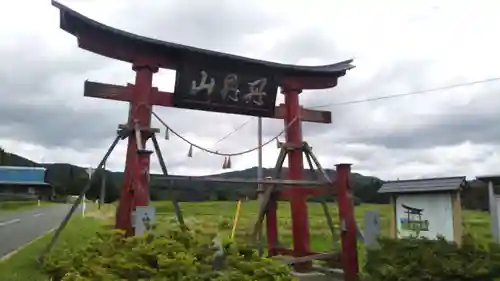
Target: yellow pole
236, 216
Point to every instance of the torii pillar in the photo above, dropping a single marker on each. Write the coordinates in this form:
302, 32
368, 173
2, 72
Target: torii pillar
135, 189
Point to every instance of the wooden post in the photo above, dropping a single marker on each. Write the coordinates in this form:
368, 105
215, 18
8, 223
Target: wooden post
493, 213
259, 144
271, 218
457, 217
393, 231
260, 199
103, 187
260, 192
349, 229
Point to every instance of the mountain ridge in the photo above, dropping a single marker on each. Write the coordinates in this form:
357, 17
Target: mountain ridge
70, 179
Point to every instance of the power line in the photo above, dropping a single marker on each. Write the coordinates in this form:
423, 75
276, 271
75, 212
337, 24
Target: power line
192, 144
420, 92
232, 132
221, 139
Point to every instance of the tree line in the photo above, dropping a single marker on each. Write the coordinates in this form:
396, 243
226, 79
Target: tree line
67, 179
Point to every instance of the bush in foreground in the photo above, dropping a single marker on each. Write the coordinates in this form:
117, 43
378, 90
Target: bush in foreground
419, 259
166, 255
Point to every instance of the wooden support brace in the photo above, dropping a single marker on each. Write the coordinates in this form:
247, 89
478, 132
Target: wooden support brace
124, 93
306, 115
306, 191
243, 180
265, 202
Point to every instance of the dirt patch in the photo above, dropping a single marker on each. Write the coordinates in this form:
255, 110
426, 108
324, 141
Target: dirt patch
107, 212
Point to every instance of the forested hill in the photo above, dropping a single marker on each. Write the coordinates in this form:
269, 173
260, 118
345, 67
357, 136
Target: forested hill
70, 179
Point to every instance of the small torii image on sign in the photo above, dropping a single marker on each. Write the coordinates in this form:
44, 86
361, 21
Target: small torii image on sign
146, 220
414, 220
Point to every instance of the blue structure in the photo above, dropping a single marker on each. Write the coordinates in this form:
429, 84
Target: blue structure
34, 175
24, 182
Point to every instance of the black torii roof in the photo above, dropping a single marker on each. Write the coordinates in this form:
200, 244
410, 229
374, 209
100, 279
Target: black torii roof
81, 26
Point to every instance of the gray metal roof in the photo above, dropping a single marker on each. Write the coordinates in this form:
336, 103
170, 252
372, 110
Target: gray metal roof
21, 168
495, 179
32, 183
423, 185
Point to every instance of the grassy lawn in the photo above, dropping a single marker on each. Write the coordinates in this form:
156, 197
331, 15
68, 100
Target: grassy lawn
16, 206
219, 216
214, 217
23, 266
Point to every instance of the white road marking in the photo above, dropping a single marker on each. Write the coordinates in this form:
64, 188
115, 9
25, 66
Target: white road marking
9, 222
38, 214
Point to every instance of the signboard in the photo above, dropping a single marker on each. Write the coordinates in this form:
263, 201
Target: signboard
372, 227
143, 219
424, 215
84, 206
494, 213
225, 91
496, 216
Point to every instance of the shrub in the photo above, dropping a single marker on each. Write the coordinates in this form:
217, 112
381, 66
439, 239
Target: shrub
418, 259
167, 255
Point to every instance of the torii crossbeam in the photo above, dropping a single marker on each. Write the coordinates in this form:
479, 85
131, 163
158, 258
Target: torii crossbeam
215, 82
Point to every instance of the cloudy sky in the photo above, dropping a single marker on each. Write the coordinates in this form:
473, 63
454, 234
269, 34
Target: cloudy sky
398, 47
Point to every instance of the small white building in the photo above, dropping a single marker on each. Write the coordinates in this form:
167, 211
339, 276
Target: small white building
426, 207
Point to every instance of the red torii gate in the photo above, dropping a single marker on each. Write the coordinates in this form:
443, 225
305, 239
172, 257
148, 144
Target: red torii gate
216, 82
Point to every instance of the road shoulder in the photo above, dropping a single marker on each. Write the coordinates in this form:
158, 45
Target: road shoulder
22, 265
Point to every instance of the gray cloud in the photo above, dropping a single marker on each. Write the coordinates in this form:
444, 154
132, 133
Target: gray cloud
206, 24
448, 130
307, 44
55, 125
42, 81
39, 75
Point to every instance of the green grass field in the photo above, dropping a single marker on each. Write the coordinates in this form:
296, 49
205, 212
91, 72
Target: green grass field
214, 217
16, 206
22, 266
220, 215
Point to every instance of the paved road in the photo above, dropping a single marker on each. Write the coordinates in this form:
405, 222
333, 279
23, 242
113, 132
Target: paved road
17, 229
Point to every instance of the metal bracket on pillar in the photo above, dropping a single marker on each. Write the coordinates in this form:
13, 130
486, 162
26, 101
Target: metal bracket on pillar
124, 131
138, 141
304, 146
290, 146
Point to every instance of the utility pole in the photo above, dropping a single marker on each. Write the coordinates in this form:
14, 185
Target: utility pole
84, 204
260, 190
259, 144
103, 186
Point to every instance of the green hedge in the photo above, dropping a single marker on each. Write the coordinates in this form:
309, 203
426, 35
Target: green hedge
13, 205
420, 259
161, 255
